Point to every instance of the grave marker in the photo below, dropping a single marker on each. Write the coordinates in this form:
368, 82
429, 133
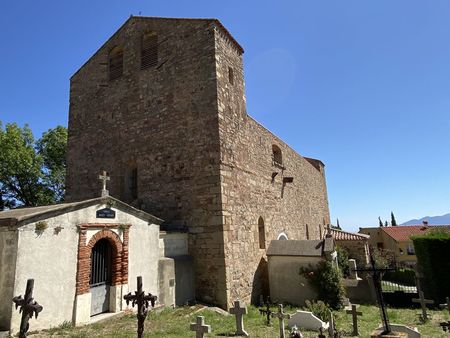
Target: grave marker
423, 304
239, 310
376, 278
143, 301
281, 317
28, 307
266, 311
355, 315
200, 328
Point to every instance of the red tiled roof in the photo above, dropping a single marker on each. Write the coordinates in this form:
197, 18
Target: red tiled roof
340, 235
402, 233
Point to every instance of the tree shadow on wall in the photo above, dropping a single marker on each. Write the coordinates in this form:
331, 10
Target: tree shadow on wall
260, 282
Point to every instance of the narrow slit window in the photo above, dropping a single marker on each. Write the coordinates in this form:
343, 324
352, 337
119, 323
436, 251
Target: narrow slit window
134, 183
230, 75
149, 50
261, 233
115, 63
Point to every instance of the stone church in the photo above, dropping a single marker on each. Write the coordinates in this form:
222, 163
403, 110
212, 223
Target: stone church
161, 106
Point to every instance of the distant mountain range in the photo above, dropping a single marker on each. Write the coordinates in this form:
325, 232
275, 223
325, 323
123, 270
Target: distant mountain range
432, 220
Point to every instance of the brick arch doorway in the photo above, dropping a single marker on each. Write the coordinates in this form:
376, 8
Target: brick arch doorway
101, 275
104, 242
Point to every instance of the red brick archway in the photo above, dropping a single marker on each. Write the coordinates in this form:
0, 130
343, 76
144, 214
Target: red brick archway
119, 249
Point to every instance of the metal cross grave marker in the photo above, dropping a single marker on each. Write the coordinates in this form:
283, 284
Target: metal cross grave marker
28, 307
200, 327
239, 310
377, 273
143, 301
355, 315
104, 178
266, 311
423, 304
281, 317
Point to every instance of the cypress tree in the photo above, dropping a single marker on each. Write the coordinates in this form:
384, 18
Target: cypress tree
393, 221
380, 222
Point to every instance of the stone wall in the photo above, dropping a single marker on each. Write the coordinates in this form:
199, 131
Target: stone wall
163, 122
249, 191
357, 250
202, 162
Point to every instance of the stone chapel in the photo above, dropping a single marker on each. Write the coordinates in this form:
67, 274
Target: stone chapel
161, 107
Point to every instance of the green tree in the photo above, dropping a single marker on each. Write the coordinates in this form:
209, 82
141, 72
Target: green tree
393, 221
327, 281
337, 224
386, 224
380, 222
27, 175
52, 148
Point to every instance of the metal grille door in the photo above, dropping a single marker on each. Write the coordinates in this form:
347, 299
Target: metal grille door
100, 281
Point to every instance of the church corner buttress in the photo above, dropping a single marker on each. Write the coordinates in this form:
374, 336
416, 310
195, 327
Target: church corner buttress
161, 107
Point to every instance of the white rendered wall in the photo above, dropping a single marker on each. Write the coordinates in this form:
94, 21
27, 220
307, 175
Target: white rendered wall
286, 283
51, 259
143, 256
8, 250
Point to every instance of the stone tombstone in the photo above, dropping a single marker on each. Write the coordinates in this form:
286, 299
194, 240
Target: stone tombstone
200, 327
423, 304
239, 310
355, 315
306, 320
352, 267
281, 317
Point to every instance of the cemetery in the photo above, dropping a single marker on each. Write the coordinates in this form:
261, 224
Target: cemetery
224, 232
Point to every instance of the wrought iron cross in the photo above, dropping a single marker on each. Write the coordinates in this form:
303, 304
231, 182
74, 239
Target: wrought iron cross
104, 178
143, 302
376, 277
28, 307
266, 311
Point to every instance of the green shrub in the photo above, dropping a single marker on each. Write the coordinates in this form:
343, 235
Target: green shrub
342, 257
432, 251
404, 276
326, 279
319, 309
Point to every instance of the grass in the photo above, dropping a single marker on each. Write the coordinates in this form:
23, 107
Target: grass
174, 323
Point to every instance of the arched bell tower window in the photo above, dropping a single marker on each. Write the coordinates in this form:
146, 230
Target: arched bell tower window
115, 63
277, 156
261, 233
149, 50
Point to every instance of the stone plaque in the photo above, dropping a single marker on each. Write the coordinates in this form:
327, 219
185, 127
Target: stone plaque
106, 213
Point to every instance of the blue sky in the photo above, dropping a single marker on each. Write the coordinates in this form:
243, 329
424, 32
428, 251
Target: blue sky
362, 85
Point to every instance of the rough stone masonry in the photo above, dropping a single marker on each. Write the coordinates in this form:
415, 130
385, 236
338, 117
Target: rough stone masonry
169, 124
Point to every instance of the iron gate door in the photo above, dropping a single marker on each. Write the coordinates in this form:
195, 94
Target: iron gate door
100, 276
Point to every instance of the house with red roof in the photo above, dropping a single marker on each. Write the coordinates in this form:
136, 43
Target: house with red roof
396, 240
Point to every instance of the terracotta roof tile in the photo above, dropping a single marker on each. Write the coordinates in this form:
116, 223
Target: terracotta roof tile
402, 233
340, 235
